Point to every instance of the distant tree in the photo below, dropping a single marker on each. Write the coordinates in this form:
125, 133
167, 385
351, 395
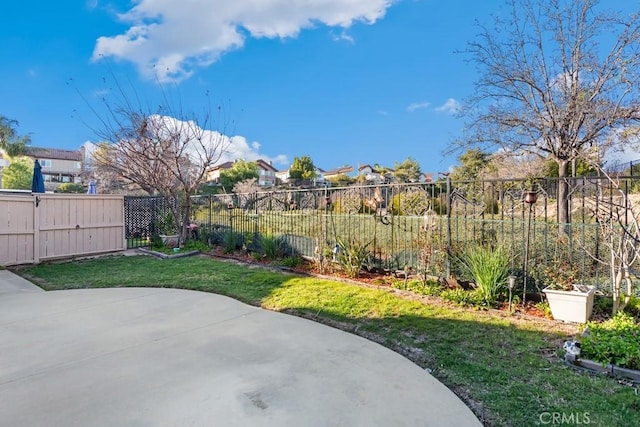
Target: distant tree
302, 169
247, 186
583, 168
71, 187
511, 166
241, 170
10, 142
472, 163
19, 174
341, 180
408, 170
556, 77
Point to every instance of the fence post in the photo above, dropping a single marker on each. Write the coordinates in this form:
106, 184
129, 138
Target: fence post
449, 237
36, 229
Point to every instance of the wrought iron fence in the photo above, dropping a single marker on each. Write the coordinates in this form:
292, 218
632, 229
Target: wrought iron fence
143, 218
422, 226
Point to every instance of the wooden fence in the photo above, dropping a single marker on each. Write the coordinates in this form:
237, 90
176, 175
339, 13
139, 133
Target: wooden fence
35, 228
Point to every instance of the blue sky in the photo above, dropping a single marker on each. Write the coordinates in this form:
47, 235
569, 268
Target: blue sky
345, 82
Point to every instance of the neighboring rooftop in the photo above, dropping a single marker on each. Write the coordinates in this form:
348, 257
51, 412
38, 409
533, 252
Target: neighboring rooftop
54, 153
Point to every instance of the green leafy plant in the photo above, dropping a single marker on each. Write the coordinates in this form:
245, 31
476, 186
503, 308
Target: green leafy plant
292, 261
463, 297
196, 245
489, 267
616, 341
420, 287
166, 224
352, 255
543, 306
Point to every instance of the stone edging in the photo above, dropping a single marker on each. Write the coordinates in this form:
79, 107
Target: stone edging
596, 367
167, 256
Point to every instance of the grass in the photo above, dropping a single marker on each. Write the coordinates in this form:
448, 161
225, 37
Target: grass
508, 370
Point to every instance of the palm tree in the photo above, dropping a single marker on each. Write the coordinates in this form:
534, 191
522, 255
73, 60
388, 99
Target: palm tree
12, 144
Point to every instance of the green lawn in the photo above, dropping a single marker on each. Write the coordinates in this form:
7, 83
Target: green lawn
508, 370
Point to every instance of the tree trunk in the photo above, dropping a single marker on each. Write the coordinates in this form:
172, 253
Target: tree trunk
563, 197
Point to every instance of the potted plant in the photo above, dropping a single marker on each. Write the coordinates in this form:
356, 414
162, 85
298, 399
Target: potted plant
568, 301
166, 228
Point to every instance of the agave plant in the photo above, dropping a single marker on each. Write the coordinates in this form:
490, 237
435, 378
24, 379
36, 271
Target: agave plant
352, 255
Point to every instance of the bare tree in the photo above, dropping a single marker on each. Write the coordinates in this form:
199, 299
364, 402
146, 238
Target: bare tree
618, 218
162, 152
556, 77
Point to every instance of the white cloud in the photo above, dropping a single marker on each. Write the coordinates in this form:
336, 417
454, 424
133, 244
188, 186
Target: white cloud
417, 105
237, 147
343, 36
168, 40
451, 106
229, 148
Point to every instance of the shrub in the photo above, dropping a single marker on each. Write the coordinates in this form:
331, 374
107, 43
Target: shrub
231, 241
489, 267
196, 245
615, 341
352, 255
272, 246
71, 187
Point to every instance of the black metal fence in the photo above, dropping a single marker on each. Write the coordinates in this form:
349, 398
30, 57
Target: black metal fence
422, 226
144, 218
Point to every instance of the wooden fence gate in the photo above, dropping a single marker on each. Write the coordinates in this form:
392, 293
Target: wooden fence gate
35, 228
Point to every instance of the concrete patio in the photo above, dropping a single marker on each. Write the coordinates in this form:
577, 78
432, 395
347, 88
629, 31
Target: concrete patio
166, 357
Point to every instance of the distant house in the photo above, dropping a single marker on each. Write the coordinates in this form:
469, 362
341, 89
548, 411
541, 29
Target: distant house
376, 175
213, 173
333, 173
283, 177
266, 177
58, 166
3, 161
88, 150
267, 172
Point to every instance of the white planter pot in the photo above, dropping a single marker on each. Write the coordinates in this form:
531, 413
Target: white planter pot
570, 306
170, 241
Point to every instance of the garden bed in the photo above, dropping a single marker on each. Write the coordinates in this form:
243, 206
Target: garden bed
374, 279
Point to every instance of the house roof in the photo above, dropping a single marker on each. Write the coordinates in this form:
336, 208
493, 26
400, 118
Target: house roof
374, 169
266, 165
262, 164
338, 171
54, 153
225, 165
